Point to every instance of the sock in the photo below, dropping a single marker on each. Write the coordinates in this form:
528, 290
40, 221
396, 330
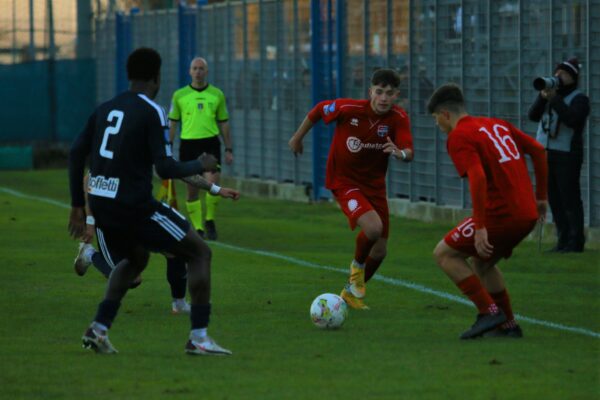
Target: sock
99, 326
100, 264
371, 266
472, 288
502, 299
107, 311
177, 277
194, 209
200, 315
198, 333
363, 247
211, 205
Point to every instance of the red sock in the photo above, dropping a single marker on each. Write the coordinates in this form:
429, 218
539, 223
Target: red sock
371, 266
472, 288
502, 299
363, 247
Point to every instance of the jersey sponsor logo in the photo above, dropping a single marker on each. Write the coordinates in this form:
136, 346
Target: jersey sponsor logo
329, 108
103, 187
382, 130
355, 145
354, 122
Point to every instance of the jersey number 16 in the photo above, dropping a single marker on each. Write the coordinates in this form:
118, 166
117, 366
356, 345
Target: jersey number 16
505, 145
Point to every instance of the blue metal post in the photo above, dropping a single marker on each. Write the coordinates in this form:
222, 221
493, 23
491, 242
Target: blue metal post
316, 85
340, 33
187, 40
123, 48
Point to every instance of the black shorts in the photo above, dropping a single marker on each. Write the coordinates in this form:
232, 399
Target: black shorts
191, 149
157, 233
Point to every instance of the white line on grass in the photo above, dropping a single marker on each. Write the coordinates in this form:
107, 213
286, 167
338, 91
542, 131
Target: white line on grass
391, 281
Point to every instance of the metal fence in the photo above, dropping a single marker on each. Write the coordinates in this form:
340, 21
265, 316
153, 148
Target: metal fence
275, 59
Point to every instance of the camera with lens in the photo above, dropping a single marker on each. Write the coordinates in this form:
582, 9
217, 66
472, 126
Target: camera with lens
546, 82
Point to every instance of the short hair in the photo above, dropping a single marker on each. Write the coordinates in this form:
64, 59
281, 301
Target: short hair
143, 64
384, 77
448, 96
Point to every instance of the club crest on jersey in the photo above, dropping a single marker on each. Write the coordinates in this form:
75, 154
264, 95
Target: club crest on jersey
329, 108
382, 130
354, 122
200, 106
352, 205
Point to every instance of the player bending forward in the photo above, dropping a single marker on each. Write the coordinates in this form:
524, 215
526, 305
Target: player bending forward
490, 152
124, 138
367, 132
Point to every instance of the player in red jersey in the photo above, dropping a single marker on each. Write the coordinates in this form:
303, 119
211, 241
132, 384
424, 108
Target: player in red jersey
367, 132
490, 152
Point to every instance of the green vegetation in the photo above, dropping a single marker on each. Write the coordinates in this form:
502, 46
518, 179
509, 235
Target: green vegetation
405, 347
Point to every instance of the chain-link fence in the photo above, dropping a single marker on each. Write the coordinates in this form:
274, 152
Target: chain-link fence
275, 59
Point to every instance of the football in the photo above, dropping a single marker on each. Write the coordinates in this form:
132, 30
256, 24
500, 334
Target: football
328, 311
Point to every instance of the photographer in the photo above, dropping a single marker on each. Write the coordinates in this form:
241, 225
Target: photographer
561, 110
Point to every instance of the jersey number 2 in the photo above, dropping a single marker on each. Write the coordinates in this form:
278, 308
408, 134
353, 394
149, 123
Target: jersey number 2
111, 130
505, 145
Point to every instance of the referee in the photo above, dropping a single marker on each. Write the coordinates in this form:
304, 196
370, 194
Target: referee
202, 110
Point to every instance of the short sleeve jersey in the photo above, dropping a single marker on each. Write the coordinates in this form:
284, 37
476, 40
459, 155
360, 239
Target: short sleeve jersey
356, 157
124, 138
498, 147
199, 110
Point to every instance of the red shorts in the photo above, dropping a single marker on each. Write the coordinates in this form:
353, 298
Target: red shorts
355, 203
503, 234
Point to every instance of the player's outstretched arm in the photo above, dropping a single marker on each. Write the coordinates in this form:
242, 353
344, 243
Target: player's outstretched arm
295, 141
201, 183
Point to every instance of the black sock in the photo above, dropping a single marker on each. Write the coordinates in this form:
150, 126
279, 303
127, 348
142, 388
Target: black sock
107, 311
100, 264
200, 315
177, 277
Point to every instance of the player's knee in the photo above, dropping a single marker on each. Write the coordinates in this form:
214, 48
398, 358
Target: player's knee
440, 254
373, 231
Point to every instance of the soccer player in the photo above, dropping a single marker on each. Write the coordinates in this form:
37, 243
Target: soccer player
88, 255
124, 138
367, 133
490, 152
202, 110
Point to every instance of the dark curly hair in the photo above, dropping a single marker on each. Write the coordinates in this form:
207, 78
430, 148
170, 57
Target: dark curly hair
143, 64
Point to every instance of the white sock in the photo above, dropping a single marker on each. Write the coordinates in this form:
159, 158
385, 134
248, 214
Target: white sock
358, 265
88, 253
199, 333
99, 326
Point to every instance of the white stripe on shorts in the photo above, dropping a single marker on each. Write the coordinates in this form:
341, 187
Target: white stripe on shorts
104, 248
168, 226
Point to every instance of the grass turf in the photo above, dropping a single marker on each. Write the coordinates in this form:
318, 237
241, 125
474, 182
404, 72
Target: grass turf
405, 347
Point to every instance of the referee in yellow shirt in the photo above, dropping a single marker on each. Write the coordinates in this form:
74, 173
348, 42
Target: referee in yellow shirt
202, 111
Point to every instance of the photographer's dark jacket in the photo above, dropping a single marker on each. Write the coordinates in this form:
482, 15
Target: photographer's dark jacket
562, 119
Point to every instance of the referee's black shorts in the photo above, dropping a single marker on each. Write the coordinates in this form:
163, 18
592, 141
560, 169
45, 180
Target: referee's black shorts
191, 149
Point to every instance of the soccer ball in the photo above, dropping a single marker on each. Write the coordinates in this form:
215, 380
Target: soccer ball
328, 311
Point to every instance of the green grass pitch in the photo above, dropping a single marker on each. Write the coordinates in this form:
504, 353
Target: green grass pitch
273, 259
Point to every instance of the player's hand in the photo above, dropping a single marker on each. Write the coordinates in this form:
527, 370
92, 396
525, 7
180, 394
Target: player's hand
229, 193
390, 148
542, 208
77, 222
209, 162
296, 145
228, 157
88, 234
482, 245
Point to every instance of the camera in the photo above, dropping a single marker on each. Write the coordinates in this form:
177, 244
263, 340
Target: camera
546, 82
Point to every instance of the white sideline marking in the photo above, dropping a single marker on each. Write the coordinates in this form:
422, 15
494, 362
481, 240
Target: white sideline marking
391, 281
